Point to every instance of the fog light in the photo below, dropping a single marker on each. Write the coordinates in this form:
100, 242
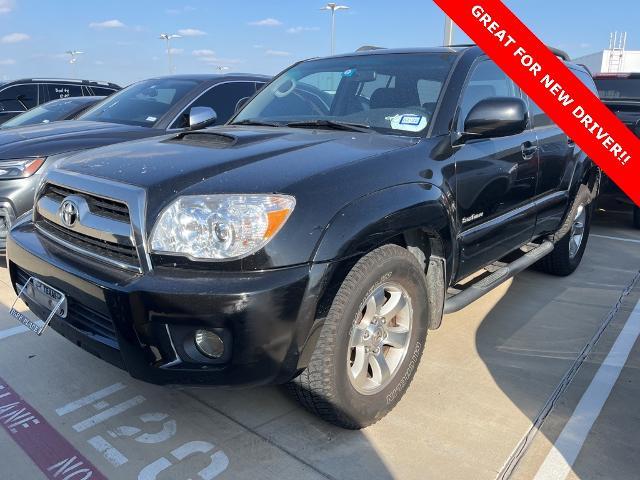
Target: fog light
209, 344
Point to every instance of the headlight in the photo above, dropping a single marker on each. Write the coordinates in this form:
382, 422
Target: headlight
220, 227
22, 168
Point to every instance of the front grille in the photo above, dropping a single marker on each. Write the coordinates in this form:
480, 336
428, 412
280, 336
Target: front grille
114, 251
98, 205
101, 231
79, 316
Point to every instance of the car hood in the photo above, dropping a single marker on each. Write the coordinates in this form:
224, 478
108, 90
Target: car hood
65, 136
231, 159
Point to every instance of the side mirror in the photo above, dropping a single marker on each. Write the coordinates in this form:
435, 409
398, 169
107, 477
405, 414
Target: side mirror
201, 117
241, 103
496, 117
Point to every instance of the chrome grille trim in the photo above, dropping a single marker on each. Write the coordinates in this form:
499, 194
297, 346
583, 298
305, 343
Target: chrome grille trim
88, 253
92, 225
114, 193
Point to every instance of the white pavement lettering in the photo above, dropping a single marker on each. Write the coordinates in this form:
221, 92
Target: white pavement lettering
111, 454
107, 414
89, 399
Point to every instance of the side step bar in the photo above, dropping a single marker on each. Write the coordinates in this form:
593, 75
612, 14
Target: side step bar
475, 291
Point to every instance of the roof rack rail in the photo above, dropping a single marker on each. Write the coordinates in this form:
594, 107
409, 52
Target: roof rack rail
560, 53
461, 45
556, 51
368, 48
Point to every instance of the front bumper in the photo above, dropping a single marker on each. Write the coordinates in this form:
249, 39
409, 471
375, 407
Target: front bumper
145, 323
16, 197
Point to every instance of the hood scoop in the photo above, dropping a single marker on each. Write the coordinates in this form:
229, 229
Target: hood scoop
204, 139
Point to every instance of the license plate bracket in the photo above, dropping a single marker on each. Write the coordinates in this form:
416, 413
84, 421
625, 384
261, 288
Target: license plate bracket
43, 295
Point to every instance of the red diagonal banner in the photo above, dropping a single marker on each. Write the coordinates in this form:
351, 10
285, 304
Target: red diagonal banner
550, 84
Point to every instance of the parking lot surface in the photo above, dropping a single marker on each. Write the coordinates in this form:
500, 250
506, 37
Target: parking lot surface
488, 379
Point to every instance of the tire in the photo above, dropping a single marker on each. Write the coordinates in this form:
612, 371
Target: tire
566, 257
329, 387
636, 217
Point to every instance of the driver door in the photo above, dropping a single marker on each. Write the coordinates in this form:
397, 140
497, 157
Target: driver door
495, 179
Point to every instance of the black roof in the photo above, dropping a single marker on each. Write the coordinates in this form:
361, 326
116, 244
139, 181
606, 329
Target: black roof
370, 50
94, 83
214, 77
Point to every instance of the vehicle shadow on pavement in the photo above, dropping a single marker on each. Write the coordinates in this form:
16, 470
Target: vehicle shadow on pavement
273, 414
538, 328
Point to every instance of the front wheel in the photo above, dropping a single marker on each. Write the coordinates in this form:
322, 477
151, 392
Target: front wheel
371, 341
636, 217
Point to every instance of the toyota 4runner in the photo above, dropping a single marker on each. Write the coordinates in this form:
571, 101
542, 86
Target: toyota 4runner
314, 239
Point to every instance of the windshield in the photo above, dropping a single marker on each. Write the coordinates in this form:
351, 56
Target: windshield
389, 93
612, 88
49, 112
141, 104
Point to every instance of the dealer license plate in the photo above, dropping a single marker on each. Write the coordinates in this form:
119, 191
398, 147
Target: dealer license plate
51, 300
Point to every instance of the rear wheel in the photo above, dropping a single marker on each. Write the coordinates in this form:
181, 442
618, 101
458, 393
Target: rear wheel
636, 217
569, 249
371, 341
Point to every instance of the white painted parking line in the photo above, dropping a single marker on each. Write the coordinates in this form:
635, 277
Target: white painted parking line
620, 239
563, 454
10, 332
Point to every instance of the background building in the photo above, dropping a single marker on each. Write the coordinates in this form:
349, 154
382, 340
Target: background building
615, 59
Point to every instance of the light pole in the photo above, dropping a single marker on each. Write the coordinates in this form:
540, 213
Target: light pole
448, 31
168, 37
333, 8
73, 60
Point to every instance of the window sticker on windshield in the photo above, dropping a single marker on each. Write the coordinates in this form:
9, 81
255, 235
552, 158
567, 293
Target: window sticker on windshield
349, 73
408, 122
151, 119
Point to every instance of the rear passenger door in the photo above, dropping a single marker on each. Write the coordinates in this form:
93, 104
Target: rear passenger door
495, 179
16, 99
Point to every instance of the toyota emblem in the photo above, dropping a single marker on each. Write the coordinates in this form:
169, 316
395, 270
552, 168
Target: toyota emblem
69, 213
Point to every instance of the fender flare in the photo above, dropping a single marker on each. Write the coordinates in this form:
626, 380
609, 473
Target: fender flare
370, 221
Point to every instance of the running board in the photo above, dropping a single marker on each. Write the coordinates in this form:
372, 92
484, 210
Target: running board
472, 293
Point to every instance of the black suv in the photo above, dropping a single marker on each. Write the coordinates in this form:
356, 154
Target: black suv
148, 108
621, 93
316, 237
19, 96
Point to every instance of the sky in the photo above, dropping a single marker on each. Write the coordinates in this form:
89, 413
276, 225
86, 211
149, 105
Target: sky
121, 44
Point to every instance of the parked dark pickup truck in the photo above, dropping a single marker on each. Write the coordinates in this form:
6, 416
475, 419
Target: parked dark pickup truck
621, 93
315, 238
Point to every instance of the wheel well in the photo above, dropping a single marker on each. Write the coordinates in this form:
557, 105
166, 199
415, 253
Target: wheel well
418, 242
591, 180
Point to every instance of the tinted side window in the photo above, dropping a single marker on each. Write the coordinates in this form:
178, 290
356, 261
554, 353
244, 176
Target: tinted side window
222, 98
57, 91
486, 81
19, 97
101, 91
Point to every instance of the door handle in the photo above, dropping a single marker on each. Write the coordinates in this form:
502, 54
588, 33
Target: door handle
529, 150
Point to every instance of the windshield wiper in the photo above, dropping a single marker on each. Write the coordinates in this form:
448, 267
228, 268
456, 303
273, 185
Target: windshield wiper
349, 127
258, 123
